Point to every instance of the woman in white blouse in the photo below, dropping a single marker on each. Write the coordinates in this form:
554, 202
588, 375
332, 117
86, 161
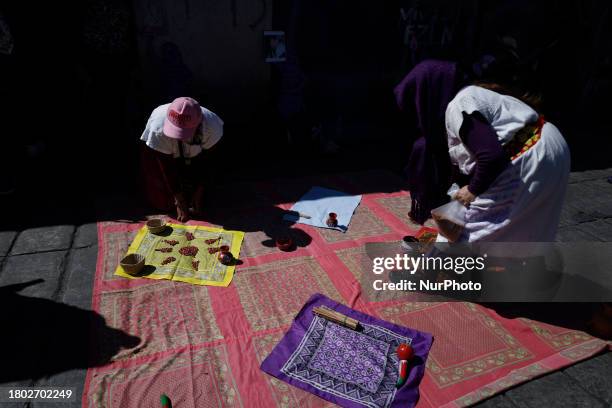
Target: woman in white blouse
522, 203
174, 169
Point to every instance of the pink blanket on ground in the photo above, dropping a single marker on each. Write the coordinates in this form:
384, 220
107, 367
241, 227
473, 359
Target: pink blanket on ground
202, 346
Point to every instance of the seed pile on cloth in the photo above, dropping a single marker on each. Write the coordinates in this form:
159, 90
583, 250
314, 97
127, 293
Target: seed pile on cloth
189, 251
168, 260
187, 254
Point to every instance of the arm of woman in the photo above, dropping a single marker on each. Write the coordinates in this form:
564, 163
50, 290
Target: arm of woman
491, 160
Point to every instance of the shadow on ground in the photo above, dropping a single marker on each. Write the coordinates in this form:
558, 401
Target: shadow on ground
41, 337
576, 316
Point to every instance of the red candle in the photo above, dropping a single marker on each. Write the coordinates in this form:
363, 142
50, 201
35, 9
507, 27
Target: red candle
404, 353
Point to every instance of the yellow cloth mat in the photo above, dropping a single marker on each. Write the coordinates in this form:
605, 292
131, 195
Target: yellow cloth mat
209, 270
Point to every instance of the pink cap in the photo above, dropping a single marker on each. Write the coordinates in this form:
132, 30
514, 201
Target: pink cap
183, 118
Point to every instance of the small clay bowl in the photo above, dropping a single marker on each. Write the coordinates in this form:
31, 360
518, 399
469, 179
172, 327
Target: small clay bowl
284, 243
408, 241
133, 263
156, 225
225, 258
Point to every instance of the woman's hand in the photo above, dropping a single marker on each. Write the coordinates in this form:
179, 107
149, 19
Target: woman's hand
464, 196
182, 215
182, 209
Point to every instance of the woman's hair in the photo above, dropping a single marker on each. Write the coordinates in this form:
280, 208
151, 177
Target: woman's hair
504, 72
533, 99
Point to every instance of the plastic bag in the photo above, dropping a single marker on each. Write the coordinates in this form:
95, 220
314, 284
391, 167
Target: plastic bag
450, 219
452, 190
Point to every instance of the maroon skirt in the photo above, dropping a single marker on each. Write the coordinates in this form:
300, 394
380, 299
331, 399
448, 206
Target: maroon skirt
156, 191
160, 172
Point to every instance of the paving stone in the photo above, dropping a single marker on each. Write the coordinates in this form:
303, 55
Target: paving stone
6, 240
24, 268
43, 239
589, 200
595, 376
499, 401
574, 233
581, 176
72, 404
555, 390
582, 289
86, 235
15, 385
15, 405
566, 218
600, 229
68, 379
79, 277
601, 197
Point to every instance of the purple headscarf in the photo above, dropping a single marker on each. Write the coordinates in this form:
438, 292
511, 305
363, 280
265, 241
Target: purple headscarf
426, 91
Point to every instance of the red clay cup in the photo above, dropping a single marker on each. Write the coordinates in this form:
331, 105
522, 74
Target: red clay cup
284, 243
225, 258
332, 220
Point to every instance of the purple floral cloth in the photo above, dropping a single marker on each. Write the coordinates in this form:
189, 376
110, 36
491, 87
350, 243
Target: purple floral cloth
347, 367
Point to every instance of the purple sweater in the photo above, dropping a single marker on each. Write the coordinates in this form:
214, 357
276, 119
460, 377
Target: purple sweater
491, 160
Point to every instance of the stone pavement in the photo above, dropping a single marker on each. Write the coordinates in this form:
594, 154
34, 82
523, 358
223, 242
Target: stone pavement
64, 257
586, 216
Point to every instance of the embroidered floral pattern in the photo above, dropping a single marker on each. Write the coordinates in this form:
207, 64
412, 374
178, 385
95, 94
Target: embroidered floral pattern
349, 356
492, 346
163, 316
368, 376
271, 294
284, 394
363, 224
141, 385
557, 337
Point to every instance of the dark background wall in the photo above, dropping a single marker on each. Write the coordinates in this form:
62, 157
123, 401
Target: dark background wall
211, 50
84, 75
